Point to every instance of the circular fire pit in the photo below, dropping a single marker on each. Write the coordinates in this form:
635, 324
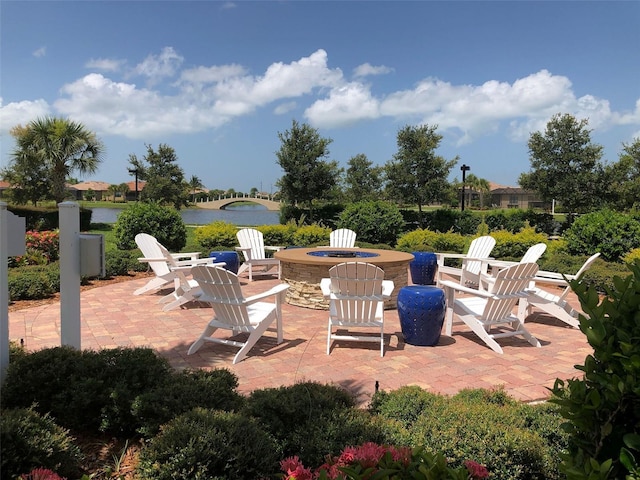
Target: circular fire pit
303, 268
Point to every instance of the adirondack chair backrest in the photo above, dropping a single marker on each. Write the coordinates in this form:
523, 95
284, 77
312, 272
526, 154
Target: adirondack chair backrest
510, 285
357, 287
533, 254
580, 272
221, 289
342, 238
254, 240
150, 248
479, 248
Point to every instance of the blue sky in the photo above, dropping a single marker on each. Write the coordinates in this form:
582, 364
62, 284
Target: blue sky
218, 81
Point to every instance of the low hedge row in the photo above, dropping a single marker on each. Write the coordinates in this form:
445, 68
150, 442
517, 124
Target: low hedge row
196, 425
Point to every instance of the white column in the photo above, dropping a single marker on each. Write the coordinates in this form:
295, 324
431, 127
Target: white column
69, 221
4, 291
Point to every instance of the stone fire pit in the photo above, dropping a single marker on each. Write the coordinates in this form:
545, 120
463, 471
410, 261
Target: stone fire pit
303, 268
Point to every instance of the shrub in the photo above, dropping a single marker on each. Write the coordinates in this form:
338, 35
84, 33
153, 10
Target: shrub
84, 390
182, 392
601, 407
610, 233
208, 444
632, 256
311, 235
29, 440
373, 222
420, 240
164, 223
278, 235
217, 235
33, 282
121, 262
515, 245
41, 248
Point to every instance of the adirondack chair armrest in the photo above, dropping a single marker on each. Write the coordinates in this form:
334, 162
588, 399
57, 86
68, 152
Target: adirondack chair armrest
278, 289
387, 288
461, 288
147, 260
325, 286
200, 261
273, 248
243, 249
191, 255
546, 275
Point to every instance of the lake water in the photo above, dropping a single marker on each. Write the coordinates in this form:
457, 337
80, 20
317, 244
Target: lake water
245, 215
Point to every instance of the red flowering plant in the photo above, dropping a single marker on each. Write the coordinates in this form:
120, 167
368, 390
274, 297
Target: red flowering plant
41, 474
41, 248
371, 461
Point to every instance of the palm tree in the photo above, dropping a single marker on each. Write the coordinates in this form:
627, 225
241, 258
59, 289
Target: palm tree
63, 145
195, 184
480, 185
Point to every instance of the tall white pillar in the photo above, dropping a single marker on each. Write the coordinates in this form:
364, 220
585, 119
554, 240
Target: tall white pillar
4, 291
69, 221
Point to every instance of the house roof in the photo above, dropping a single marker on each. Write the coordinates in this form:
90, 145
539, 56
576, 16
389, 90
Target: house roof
95, 186
132, 185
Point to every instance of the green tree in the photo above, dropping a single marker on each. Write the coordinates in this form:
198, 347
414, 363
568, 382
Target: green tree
565, 165
307, 175
416, 175
623, 178
477, 184
195, 184
123, 189
363, 180
166, 184
112, 190
61, 145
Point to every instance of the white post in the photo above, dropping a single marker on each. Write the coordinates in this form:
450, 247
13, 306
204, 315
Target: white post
4, 291
69, 220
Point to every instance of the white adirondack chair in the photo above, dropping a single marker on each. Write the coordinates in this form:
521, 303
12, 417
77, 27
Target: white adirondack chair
342, 238
474, 262
163, 266
489, 314
356, 292
532, 255
552, 303
254, 253
232, 311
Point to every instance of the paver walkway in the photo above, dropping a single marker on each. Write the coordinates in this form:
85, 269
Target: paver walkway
112, 317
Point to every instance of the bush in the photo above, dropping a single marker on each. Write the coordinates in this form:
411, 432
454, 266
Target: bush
278, 235
288, 413
632, 256
610, 233
218, 235
419, 240
164, 223
208, 444
121, 262
84, 390
515, 245
29, 440
311, 235
34, 282
182, 392
373, 222
602, 407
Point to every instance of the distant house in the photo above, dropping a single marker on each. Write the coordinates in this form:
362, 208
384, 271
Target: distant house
514, 197
131, 194
79, 190
4, 187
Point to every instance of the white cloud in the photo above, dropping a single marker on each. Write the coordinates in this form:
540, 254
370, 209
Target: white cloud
212, 74
21, 113
105, 64
345, 105
157, 67
40, 52
228, 5
367, 69
284, 108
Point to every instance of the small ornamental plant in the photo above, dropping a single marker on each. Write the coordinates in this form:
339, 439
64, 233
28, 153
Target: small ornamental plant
42, 248
372, 461
41, 474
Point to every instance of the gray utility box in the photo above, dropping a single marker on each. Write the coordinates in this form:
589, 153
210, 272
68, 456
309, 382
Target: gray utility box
92, 259
16, 231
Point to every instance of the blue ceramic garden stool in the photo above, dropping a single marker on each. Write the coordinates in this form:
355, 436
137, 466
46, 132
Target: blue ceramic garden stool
228, 257
423, 268
421, 311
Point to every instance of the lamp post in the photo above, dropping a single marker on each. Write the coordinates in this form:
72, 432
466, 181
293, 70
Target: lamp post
465, 169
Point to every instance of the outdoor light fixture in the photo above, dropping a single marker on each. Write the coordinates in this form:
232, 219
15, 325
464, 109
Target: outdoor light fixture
465, 169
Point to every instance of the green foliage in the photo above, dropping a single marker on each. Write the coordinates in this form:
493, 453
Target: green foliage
420, 240
373, 222
30, 440
218, 235
515, 245
166, 184
207, 444
288, 413
611, 233
121, 262
84, 390
183, 391
449, 220
363, 181
632, 256
512, 439
311, 235
278, 235
164, 223
33, 282
602, 408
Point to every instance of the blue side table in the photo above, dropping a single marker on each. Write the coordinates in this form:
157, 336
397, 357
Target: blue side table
423, 268
228, 257
421, 310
